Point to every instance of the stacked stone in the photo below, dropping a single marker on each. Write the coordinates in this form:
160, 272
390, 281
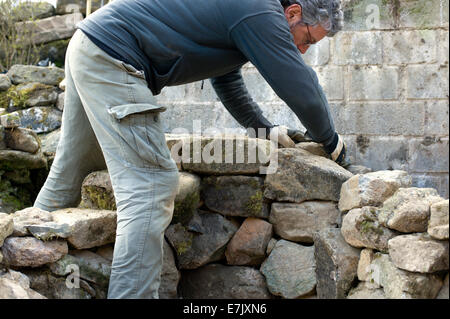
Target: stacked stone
28, 109
403, 232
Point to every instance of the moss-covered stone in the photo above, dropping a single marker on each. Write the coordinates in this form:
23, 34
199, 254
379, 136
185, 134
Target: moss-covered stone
184, 209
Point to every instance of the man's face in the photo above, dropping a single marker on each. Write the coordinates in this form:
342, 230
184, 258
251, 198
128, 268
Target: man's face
304, 35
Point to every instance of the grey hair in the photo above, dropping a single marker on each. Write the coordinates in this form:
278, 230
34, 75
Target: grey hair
327, 13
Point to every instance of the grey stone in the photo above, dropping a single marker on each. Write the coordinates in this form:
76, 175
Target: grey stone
336, 264
439, 181
419, 253
439, 221
194, 250
32, 94
29, 73
437, 117
331, 78
18, 160
88, 227
22, 139
401, 284
40, 119
365, 291
419, 14
31, 252
217, 281
358, 48
225, 154
60, 101
6, 227
97, 191
298, 222
425, 81
5, 82
15, 285
248, 245
10, 120
50, 29
106, 251
371, 189
443, 293
290, 270
235, 195
187, 199
27, 217
93, 267
361, 228
170, 276
49, 142
361, 15
50, 230
408, 209
301, 176
429, 154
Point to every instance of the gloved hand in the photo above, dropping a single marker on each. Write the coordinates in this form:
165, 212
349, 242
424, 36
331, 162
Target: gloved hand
287, 137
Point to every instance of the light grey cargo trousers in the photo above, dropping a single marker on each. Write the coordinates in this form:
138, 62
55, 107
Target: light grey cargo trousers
110, 117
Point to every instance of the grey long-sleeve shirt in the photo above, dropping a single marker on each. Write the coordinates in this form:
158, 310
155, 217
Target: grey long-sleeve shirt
182, 41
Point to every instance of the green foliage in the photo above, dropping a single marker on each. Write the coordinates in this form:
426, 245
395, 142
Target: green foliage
15, 45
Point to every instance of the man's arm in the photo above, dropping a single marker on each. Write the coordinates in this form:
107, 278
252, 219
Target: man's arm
231, 90
266, 41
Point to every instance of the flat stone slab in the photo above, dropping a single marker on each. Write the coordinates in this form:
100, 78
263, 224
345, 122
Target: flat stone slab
298, 222
408, 209
301, 176
20, 73
336, 264
419, 253
290, 270
27, 217
235, 195
215, 281
361, 228
371, 189
32, 252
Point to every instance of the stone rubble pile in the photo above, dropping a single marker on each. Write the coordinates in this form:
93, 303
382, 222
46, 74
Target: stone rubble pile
29, 110
237, 233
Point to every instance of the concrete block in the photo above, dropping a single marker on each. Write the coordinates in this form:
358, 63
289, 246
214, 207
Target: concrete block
382, 153
428, 154
443, 47
419, 13
381, 118
427, 81
331, 78
318, 54
418, 46
358, 48
436, 117
373, 83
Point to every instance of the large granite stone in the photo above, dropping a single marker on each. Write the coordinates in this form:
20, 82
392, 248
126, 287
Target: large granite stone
360, 228
19, 73
419, 253
408, 209
301, 176
290, 270
298, 222
235, 195
197, 249
336, 264
248, 245
371, 189
217, 281
32, 252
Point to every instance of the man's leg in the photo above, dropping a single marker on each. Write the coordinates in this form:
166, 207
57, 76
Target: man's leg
144, 177
77, 154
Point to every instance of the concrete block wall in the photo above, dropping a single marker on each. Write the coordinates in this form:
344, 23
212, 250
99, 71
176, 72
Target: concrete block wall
386, 79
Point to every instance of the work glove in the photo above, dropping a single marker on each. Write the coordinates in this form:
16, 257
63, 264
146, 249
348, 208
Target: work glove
337, 151
287, 137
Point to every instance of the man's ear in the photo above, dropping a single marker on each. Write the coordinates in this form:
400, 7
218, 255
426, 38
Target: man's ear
293, 13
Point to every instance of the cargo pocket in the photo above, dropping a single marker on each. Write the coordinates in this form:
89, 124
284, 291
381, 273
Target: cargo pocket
142, 140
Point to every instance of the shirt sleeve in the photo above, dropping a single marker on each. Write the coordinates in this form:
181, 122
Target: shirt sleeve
231, 90
266, 41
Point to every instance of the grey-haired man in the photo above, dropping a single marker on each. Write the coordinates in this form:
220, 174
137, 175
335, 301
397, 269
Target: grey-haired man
126, 53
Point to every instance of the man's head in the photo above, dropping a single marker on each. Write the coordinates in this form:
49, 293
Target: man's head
311, 20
